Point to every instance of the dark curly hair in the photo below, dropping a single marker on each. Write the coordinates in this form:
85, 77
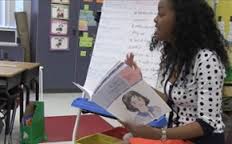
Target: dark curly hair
195, 29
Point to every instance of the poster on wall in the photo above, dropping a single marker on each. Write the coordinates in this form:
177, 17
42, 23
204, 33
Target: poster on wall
59, 43
88, 0
83, 25
60, 1
59, 11
86, 41
99, 1
224, 21
87, 16
59, 27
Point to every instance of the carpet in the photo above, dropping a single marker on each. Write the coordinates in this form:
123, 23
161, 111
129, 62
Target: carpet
60, 128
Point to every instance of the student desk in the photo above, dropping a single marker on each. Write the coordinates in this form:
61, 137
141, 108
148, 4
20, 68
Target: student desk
30, 74
13, 74
10, 77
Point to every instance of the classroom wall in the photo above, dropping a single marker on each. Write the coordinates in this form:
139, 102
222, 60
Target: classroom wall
59, 66
14, 53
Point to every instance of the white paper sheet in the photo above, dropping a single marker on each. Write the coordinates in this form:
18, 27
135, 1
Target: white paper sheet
125, 26
60, 11
59, 27
59, 43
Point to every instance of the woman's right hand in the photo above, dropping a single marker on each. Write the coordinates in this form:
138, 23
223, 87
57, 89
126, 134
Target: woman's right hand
130, 61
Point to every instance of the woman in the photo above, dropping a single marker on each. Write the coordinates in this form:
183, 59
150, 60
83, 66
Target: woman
193, 66
135, 102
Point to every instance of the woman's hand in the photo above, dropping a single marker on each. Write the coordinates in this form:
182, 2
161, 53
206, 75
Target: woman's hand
143, 131
130, 62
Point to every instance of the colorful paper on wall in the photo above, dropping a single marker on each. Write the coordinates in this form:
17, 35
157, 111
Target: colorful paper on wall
60, 1
211, 3
83, 25
99, 1
83, 53
86, 41
59, 43
223, 12
87, 15
59, 11
88, 0
224, 19
86, 7
59, 27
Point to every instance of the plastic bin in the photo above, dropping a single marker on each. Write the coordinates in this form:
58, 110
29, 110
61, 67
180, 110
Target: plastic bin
34, 133
98, 139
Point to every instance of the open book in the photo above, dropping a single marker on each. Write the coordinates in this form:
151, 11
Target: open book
125, 94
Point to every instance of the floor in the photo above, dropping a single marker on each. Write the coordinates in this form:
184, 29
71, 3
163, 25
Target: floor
56, 104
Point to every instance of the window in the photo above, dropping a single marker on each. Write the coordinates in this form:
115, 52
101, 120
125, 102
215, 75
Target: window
7, 9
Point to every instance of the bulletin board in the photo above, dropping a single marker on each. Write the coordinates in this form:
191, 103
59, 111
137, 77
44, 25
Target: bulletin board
223, 12
87, 30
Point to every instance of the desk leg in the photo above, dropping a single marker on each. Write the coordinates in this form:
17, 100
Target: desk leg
27, 94
34, 81
36, 90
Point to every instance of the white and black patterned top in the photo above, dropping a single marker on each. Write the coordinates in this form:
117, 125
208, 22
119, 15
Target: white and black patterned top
200, 98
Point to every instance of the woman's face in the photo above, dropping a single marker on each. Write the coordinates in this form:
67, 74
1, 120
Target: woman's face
164, 21
137, 102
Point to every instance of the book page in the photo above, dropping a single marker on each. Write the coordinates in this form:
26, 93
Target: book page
140, 104
118, 81
84, 90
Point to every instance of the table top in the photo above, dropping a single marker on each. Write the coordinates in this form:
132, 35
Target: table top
16, 64
8, 72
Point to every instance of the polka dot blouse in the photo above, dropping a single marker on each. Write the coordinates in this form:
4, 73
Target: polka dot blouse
201, 96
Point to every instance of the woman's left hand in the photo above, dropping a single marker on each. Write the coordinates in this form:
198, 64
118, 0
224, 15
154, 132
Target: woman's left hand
143, 131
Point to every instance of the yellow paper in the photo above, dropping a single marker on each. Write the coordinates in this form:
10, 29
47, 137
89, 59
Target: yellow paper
224, 10
86, 7
86, 41
82, 53
85, 34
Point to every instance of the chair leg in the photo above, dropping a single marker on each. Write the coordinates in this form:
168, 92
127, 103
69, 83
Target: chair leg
36, 86
21, 104
7, 119
36, 90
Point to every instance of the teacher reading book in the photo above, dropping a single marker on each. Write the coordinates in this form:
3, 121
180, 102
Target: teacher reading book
192, 70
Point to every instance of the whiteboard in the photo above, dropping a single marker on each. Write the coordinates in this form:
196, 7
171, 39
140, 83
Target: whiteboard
125, 26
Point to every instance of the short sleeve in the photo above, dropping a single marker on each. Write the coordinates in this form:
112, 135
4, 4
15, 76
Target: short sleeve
210, 75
